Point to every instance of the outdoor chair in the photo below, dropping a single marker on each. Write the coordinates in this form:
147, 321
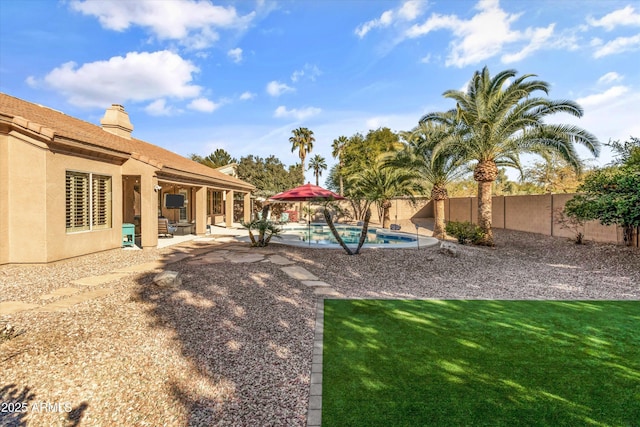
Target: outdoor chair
164, 228
284, 218
395, 227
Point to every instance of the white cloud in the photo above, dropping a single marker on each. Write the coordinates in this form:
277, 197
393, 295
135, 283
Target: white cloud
473, 43
204, 105
607, 115
302, 114
193, 23
539, 38
275, 88
408, 11
605, 97
310, 71
618, 45
620, 17
159, 108
610, 78
139, 76
245, 96
235, 55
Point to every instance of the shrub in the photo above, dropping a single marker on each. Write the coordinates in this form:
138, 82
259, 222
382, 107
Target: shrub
465, 232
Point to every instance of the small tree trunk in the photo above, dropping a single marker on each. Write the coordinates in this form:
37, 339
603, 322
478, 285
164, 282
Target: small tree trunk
365, 229
386, 213
484, 212
438, 225
327, 217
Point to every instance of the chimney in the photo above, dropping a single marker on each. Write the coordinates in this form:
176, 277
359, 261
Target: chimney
116, 121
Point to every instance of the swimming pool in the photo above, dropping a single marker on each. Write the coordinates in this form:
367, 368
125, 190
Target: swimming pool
321, 237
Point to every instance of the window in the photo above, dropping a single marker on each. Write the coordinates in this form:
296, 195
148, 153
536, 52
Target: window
217, 203
183, 216
87, 201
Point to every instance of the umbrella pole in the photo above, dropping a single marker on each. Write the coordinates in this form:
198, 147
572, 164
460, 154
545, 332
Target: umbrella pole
309, 220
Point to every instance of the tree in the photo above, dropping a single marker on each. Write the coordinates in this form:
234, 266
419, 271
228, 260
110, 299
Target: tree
318, 164
436, 168
380, 183
503, 117
626, 152
338, 147
611, 195
216, 159
268, 175
553, 175
302, 140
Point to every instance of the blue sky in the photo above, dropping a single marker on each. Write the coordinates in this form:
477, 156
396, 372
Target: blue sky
198, 75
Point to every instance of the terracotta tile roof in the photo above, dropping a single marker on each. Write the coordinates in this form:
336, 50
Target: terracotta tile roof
51, 122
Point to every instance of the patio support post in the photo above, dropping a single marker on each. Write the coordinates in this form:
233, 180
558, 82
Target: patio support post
149, 211
247, 207
228, 209
201, 210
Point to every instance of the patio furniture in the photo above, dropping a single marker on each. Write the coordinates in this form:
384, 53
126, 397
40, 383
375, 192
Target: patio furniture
128, 235
164, 228
395, 227
184, 228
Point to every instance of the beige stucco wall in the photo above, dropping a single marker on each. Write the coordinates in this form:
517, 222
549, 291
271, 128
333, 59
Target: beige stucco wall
23, 180
61, 244
4, 199
33, 204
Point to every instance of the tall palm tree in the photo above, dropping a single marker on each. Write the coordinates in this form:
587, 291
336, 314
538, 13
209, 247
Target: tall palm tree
302, 140
437, 168
381, 182
318, 164
338, 148
503, 118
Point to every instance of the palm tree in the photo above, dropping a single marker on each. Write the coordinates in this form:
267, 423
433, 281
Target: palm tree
318, 164
338, 147
501, 119
380, 183
437, 168
302, 140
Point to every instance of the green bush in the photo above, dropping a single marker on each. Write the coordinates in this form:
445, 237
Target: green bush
465, 232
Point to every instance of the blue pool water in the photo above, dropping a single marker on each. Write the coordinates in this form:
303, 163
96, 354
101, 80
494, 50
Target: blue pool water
320, 234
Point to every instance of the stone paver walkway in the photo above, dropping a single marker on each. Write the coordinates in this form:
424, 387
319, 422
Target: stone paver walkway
230, 253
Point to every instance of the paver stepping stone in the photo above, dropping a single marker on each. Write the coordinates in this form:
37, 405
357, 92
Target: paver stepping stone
207, 260
60, 292
10, 307
63, 304
280, 260
315, 283
299, 273
99, 280
245, 258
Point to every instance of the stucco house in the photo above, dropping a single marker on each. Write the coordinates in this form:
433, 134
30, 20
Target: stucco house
67, 186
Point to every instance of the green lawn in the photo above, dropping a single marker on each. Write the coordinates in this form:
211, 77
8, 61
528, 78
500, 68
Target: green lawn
481, 363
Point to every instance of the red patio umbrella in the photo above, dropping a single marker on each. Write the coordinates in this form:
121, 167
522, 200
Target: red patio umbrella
306, 193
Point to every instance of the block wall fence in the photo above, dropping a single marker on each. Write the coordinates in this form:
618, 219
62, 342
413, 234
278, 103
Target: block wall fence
529, 213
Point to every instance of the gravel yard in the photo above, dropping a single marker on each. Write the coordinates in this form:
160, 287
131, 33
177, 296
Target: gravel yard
233, 345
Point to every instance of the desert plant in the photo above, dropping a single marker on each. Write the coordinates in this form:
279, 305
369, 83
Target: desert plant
571, 223
465, 232
266, 230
